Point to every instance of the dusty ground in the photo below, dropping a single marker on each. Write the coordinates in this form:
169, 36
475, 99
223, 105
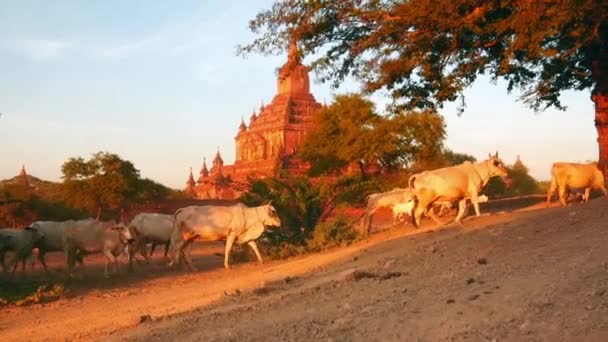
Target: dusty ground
526, 275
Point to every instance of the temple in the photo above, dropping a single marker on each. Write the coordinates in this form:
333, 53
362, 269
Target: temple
270, 142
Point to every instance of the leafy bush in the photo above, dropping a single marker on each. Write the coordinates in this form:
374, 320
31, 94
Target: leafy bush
521, 183
298, 201
301, 204
332, 233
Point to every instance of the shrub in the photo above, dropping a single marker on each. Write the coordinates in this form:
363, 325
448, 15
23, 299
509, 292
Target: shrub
332, 233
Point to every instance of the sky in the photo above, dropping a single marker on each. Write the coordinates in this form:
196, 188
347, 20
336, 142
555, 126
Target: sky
160, 84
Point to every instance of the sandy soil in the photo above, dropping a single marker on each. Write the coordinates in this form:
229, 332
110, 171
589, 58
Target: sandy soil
516, 276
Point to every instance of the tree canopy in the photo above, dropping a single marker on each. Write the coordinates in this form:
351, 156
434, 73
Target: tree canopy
350, 131
427, 52
106, 181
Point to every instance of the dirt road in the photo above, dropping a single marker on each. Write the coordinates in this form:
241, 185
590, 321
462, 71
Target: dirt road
530, 275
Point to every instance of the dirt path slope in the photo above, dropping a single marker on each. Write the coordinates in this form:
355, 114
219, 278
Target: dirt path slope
534, 276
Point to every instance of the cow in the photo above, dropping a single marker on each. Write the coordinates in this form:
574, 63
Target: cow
89, 236
397, 196
400, 210
569, 176
149, 228
53, 238
21, 242
236, 223
454, 183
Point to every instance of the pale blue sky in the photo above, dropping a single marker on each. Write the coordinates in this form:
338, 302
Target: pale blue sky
159, 83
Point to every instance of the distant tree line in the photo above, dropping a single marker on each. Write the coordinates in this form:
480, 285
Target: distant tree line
99, 187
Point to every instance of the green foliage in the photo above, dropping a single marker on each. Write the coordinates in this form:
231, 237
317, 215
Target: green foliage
298, 201
302, 204
106, 181
335, 232
455, 158
353, 190
520, 183
426, 52
349, 131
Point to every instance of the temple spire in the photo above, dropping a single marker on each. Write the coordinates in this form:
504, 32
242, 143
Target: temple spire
242, 127
23, 178
218, 158
190, 183
204, 171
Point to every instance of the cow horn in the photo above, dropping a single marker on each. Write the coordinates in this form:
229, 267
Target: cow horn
496, 154
489, 155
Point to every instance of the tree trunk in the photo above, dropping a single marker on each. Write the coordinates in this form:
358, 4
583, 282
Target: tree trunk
600, 98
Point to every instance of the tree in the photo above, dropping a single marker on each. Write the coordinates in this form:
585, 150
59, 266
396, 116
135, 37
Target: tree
427, 52
455, 158
350, 131
104, 181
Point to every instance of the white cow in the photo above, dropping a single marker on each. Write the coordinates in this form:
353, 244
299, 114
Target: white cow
90, 236
52, 241
398, 196
236, 223
569, 176
21, 242
149, 228
454, 183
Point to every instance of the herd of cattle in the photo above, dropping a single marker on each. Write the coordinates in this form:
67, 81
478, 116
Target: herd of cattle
77, 238
464, 182
244, 225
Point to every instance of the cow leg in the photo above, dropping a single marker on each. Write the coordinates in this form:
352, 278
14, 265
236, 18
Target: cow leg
187, 256
254, 246
475, 201
175, 249
166, 248
70, 256
551, 191
229, 242
462, 205
430, 213
562, 195
41, 253
131, 255
143, 251
152, 247
176, 252
110, 258
586, 196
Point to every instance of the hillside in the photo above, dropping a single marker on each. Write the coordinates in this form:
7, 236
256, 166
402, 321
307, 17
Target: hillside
536, 274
